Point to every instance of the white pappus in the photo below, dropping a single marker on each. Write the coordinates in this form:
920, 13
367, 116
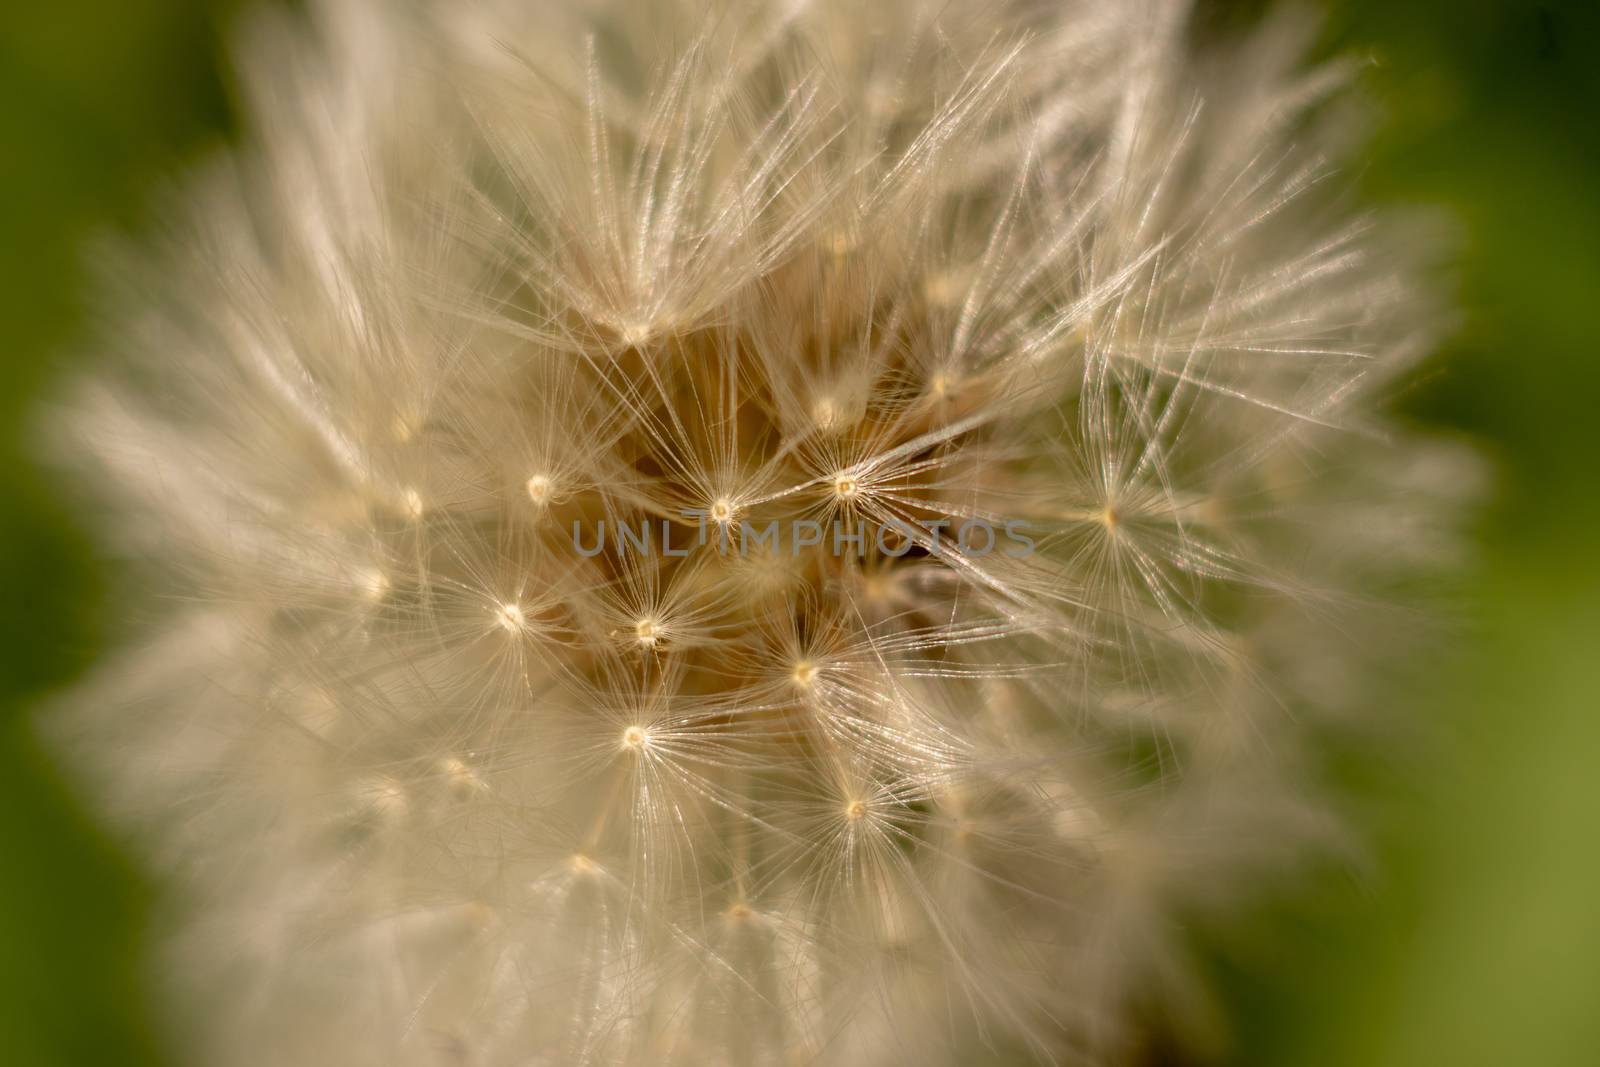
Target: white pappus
432, 786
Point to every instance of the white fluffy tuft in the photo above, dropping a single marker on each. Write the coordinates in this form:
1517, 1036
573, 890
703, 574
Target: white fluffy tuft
442, 789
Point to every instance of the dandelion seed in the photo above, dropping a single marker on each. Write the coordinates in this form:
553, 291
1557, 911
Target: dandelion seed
386, 799
803, 674
372, 584
404, 427
540, 489
511, 618
647, 632
944, 289
462, 780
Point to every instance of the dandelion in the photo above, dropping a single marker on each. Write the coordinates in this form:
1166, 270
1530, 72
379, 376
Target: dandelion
1066, 298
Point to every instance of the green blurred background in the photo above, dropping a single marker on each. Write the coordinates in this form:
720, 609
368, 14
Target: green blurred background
1475, 939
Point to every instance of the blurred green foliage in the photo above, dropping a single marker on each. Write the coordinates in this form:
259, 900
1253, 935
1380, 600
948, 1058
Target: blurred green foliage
97, 99
1478, 940
1479, 943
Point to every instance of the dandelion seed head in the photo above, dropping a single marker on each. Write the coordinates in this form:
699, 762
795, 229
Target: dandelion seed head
939, 449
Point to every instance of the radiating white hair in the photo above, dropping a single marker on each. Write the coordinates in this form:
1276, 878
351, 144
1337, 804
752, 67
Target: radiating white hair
437, 785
